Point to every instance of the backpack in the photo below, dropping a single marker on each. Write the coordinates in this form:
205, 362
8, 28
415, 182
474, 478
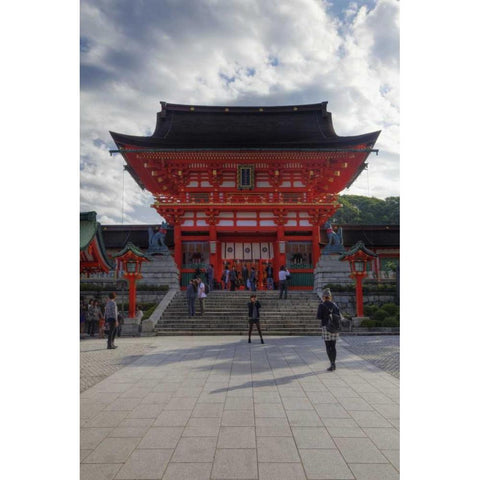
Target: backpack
207, 288
333, 322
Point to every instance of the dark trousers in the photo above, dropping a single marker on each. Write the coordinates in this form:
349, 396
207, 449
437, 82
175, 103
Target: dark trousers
201, 301
91, 327
331, 350
191, 306
250, 326
283, 288
111, 333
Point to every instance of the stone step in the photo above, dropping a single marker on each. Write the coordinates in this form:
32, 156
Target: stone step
226, 313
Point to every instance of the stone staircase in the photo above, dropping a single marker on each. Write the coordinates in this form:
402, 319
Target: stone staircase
226, 314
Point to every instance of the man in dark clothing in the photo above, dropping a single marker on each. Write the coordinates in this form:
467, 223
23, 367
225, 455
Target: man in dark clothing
191, 296
254, 317
111, 317
233, 279
210, 276
269, 274
245, 275
253, 280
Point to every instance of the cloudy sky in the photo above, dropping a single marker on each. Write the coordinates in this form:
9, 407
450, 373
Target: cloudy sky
134, 54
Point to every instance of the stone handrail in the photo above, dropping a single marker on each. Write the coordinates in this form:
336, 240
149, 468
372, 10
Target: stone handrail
149, 324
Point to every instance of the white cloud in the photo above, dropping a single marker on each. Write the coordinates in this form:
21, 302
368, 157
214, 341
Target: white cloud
267, 52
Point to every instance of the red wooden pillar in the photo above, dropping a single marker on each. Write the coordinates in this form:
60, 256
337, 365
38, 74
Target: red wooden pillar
359, 294
282, 246
132, 295
315, 245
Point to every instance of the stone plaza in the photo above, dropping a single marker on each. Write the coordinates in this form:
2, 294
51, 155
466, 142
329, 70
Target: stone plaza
216, 407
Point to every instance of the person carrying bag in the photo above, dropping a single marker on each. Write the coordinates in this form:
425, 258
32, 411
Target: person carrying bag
329, 314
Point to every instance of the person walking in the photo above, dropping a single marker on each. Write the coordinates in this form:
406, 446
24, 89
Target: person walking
138, 318
233, 279
254, 317
120, 322
191, 296
101, 322
226, 277
269, 275
210, 277
327, 307
97, 315
246, 282
91, 317
253, 280
111, 317
283, 275
83, 315
201, 295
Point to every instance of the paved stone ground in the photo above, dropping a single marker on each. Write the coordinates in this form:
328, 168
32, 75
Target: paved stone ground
217, 408
98, 363
382, 350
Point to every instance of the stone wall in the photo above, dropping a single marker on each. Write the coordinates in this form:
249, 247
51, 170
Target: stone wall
330, 270
346, 300
143, 296
162, 270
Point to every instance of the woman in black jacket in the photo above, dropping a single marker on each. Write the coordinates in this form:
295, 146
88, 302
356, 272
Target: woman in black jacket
254, 317
323, 313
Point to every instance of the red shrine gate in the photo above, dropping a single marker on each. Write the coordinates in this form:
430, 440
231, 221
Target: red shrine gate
246, 184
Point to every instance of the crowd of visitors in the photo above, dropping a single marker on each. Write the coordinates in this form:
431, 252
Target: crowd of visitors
97, 319
107, 320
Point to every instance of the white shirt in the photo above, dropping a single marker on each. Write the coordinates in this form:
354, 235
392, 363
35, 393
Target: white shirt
201, 291
282, 275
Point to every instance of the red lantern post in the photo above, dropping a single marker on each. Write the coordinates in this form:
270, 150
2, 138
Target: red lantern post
358, 257
131, 259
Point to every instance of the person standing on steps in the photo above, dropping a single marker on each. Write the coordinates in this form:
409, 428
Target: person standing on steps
269, 275
254, 317
226, 277
283, 275
191, 296
324, 309
253, 279
245, 276
233, 279
111, 317
210, 277
201, 295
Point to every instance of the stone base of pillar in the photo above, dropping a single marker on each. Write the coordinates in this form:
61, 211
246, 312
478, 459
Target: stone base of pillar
162, 270
330, 269
147, 328
357, 321
130, 327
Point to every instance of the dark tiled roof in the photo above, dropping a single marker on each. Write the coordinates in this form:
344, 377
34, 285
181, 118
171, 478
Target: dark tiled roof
358, 247
292, 127
134, 249
117, 236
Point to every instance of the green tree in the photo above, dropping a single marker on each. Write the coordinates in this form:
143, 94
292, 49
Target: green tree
357, 210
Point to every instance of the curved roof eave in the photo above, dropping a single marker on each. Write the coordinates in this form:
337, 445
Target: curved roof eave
155, 143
